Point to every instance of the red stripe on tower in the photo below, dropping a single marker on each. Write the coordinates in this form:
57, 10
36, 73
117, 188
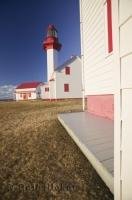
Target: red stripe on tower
109, 23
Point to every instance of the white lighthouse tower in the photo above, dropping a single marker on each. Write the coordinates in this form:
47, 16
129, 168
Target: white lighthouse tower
51, 45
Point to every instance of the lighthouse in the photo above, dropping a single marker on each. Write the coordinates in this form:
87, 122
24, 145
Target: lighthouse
52, 46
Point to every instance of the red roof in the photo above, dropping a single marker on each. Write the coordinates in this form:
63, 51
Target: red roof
28, 85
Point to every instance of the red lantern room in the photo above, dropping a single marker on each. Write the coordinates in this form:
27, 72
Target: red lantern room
51, 41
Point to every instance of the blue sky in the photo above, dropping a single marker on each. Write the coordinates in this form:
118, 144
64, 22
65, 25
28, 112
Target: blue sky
23, 25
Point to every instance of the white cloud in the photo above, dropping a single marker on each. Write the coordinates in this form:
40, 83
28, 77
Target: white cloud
7, 91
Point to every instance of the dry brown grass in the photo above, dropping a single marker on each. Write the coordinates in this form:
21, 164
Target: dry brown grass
38, 160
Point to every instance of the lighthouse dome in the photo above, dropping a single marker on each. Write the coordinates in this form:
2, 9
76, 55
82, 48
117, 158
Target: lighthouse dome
51, 41
52, 32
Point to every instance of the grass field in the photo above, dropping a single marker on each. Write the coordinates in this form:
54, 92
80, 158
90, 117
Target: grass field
39, 160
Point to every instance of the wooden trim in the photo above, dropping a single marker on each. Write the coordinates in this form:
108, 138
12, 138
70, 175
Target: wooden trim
109, 26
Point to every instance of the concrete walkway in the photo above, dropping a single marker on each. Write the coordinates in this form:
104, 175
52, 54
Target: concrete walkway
95, 137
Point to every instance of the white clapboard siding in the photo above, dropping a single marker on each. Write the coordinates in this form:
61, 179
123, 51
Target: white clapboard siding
126, 86
126, 144
52, 89
126, 71
74, 80
126, 38
98, 67
44, 94
125, 10
33, 91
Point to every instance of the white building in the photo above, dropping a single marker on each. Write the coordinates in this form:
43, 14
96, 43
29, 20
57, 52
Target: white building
64, 81
28, 91
45, 91
106, 42
104, 131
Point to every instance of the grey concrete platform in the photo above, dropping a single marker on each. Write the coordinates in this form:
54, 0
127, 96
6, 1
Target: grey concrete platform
95, 137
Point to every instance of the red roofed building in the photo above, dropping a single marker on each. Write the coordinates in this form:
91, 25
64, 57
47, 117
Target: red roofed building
63, 81
28, 91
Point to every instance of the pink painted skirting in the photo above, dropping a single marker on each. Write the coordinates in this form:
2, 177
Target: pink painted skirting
101, 105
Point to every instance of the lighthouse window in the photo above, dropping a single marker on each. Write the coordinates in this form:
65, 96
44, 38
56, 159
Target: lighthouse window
66, 87
52, 33
49, 33
67, 70
46, 89
55, 33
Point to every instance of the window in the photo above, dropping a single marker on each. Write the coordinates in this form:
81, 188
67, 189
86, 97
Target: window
67, 70
52, 32
66, 87
29, 94
108, 26
46, 89
20, 95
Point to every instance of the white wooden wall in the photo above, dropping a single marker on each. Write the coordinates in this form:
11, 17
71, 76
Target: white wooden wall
74, 80
52, 89
125, 27
35, 93
44, 95
118, 79
19, 91
98, 66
